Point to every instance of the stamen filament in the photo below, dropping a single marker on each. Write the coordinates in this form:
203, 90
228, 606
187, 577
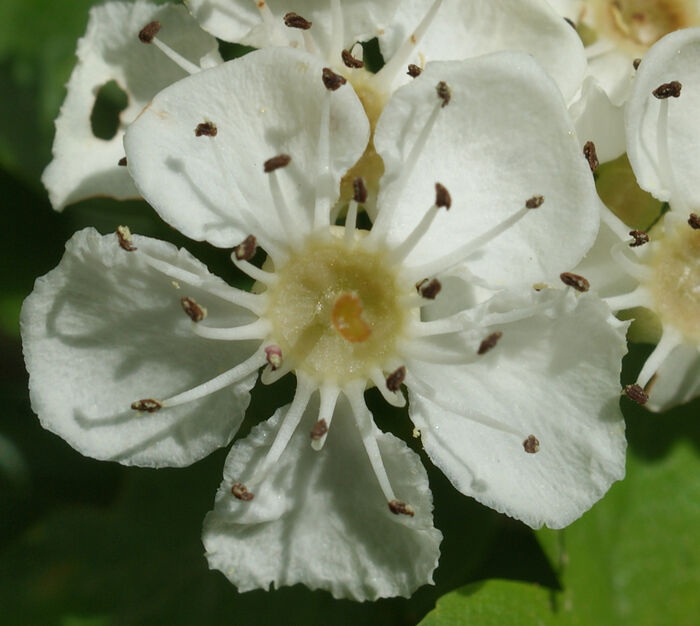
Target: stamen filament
400, 252
283, 211
329, 398
599, 48
337, 31
274, 29
254, 272
176, 57
669, 340
258, 329
638, 297
666, 168
350, 223
638, 271
324, 184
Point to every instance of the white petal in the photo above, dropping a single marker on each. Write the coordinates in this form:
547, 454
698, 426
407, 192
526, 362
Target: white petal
240, 21
260, 104
554, 375
328, 525
504, 137
614, 71
677, 380
462, 30
84, 165
675, 57
104, 329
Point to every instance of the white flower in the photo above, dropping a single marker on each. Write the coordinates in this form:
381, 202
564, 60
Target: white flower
515, 399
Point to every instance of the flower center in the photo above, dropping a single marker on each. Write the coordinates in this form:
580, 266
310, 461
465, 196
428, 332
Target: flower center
637, 24
676, 281
336, 310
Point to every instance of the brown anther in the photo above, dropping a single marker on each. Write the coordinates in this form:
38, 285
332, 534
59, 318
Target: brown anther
320, 428
241, 492
331, 80
273, 355
149, 31
351, 61
442, 197
635, 63
359, 191
281, 160
208, 129
195, 312
591, 155
535, 202
531, 444
414, 71
579, 283
636, 394
429, 289
640, 238
394, 380
570, 22
125, 239
296, 21
489, 343
245, 250
122, 162
668, 90
148, 405
443, 92
694, 221
397, 507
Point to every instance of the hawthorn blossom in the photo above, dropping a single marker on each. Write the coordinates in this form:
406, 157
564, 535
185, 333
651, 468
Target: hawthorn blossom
137, 353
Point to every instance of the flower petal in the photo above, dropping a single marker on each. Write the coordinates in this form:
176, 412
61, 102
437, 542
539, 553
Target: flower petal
554, 375
672, 178
677, 380
504, 137
328, 525
84, 165
259, 103
462, 30
104, 329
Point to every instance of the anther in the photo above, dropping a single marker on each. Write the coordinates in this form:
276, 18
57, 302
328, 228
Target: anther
694, 221
208, 129
635, 63
351, 61
636, 394
668, 90
319, 430
397, 507
281, 160
442, 197
273, 355
531, 444
331, 80
429, 289
241, 492
640, 238
292, 20
245, 250
579, 283
394, 380
489, 343
195, 312
148, 405
126, 241
149, 31
534, 203
414, 71
359, 191
591, 155
443, 92
122, 162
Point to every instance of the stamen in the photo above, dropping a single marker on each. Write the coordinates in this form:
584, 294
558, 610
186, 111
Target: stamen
122, 162
531, 444
148, 35
292, 20
639, 237
148, 405
195, 312
360, 192
281, 160
414, 71
444, 93
350, 61
208, 129
331, 80
489, 343
429, 289
273, 354
126, 241
636, 63
668, 90
329, 397
319, 430
240, 491
591, 156
694, 221
245, 250
346, 317
394, 397
668, 342
578, 282
258, 329
636, 394
397, 507
149, 31
395, 379
350, 223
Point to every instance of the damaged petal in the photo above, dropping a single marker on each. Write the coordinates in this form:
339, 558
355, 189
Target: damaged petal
395, 379
195, 312
531, 444
148, 405
574, 280
245, 250
125, 239
319, 430
241, 492
397, 507
489, 343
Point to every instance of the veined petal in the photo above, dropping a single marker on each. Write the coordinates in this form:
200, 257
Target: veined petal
677, 380
554, 375
104, 329
260, 104
673, 176
505, 137
84, 165
328, 525
463, 30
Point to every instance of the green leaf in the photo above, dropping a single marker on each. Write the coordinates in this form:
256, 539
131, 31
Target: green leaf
496, 603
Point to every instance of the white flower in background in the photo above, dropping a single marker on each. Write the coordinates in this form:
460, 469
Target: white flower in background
663, 266
84, 165
516, 399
